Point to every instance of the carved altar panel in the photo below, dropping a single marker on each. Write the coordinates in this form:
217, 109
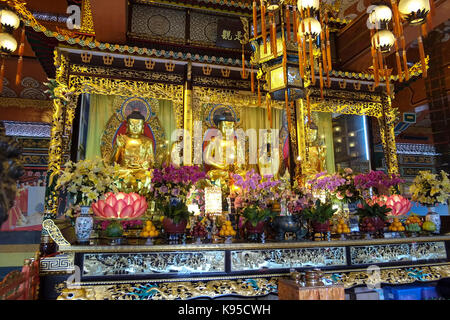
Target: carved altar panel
398, 252
287, 258
113, 264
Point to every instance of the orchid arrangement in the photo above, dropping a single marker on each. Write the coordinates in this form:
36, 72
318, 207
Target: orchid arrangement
171, 186
255, 190
327, 183
297, 200
87, 180
379, 181
254, 195
347, 192
430, 189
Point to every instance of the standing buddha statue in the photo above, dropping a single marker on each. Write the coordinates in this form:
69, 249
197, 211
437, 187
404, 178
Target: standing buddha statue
316, 150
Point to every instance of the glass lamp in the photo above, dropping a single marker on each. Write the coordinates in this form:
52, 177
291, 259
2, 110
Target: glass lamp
277, 84
9, 20
315, 29
380, 15
384, 40
308, 4
414, 11
7, 43
273, 5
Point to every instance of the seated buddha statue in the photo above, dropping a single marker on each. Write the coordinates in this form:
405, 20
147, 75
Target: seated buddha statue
222, 155
133, 151
316, 150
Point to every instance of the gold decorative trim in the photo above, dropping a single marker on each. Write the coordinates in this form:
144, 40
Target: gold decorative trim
247, 246
249, 285
25, 103
54, 232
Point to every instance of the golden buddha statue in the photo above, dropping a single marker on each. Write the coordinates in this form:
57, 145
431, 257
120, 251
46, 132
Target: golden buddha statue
316, 151
133, 151
223, 155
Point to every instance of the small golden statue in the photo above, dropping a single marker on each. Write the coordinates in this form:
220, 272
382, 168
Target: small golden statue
316, 151
224, 156
269, 159
133, 151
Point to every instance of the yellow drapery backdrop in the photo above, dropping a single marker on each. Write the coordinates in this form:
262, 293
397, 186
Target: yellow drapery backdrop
100, 111
256, 118
326, 133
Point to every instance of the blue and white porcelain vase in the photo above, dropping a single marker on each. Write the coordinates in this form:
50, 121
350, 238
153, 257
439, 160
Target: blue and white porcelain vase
84, 224
434, 217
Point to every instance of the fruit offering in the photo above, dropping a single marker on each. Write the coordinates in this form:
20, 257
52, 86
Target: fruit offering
396, 226
367, 225
413, 219
413, 227
149, 230
199, 230
227, 230
429, 226
342, 227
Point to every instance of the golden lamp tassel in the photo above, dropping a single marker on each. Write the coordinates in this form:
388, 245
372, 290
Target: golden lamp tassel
424, 30
20, 63
288, 23
255, 21
300, 59
399, 64
321, 80
405, 60
284, 62
327, 38
302, 38
252, 79
374, 62
273, 36
286, 100
295, 24
269, 110
308, 107
2, 74
431, 15
396, 18
422, 56
263, 25
387, 76
311, 60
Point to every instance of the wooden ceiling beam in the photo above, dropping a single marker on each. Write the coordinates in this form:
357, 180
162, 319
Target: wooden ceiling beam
110, 20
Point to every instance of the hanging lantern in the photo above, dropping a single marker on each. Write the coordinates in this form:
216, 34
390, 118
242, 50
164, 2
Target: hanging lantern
380, 16
312, 27
313, 5
273, 5
9, 20
7, 43
414, 11
383, 40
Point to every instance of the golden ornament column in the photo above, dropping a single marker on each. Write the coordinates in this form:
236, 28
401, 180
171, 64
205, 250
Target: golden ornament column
188, 124
302, 159
387, 124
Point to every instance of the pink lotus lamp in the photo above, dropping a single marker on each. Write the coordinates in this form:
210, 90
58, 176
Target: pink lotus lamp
400, 205
120, 206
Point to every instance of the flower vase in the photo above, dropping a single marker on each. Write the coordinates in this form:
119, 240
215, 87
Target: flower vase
170, 227
434, 217
84, 225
